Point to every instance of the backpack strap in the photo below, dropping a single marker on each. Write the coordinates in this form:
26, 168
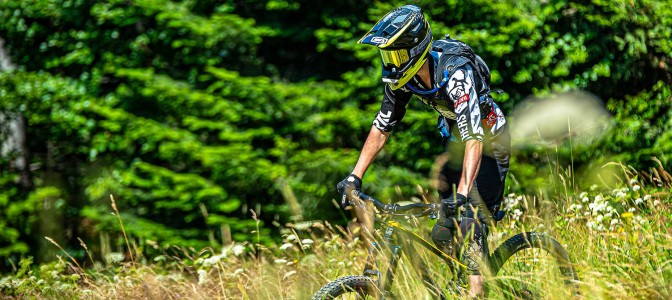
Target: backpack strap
455, 54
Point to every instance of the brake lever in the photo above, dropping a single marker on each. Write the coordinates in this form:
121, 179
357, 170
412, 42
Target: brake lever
391, 207
434, 214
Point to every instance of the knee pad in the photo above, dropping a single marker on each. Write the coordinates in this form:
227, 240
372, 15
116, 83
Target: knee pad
472, 228
473, 244
442, 237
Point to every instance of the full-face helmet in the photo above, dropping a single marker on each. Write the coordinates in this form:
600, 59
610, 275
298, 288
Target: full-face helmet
404, 38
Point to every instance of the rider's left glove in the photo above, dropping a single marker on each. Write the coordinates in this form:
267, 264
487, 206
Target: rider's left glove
346, 186
450, 205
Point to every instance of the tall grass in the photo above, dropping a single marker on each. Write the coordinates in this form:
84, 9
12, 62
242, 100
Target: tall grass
620, 238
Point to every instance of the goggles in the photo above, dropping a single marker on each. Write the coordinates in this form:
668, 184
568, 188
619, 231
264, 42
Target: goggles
396, 57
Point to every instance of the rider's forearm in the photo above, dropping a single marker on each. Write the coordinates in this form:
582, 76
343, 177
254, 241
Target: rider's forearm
472, 162
374, 142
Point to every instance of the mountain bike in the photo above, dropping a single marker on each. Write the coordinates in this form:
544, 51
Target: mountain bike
508, 266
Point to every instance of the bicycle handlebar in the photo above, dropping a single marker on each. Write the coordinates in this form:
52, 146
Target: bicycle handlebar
396, 208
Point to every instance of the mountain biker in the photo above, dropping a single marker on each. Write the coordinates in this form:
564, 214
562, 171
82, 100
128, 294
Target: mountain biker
448, 76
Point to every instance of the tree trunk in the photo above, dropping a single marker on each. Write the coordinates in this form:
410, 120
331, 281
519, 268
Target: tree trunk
13, 132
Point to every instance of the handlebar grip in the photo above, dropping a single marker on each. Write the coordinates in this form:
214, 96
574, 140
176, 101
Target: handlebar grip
368, 198
361, 195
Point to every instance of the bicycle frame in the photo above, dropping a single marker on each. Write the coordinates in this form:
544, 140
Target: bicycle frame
396, 239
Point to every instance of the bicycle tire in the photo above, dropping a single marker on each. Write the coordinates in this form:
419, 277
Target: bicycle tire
360, 284
534, 240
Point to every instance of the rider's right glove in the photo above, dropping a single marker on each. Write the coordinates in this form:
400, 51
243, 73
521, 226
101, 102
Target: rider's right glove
346, 186
450, 205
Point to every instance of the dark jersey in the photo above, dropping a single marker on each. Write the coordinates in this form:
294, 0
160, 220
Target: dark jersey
464, 102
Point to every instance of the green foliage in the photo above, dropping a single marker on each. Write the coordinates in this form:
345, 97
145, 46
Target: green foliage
195, 113
51, 280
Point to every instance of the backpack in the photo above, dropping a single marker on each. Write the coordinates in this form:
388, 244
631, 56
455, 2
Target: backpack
456, 54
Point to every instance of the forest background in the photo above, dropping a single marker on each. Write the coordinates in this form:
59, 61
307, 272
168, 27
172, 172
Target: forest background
196, 113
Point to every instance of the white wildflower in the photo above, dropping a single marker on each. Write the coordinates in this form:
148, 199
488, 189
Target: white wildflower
115, 257
238, 250
633, 181
210, 261
624, 190
202, 277
639, 201
583, 195
585, 199
571, 220
621, 194
599, 218
286, 246
636, 188
656, 202
614, 222
632, 209
292, 237
280, 261
593, 187
598, 198
590, 224
307, 241
647, 197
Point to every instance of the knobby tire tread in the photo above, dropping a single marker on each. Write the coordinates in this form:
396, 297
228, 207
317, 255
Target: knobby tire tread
537, 240
348, 284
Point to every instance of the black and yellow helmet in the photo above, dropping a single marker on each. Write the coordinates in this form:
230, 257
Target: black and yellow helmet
404, 38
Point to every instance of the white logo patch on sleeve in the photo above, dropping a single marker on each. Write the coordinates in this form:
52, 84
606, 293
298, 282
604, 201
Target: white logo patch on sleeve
382, 119
459, 86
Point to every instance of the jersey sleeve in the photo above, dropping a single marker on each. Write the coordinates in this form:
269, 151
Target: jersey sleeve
393, 108
462, 91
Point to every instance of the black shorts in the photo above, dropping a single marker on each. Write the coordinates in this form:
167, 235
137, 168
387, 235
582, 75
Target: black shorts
488, 188
487, 194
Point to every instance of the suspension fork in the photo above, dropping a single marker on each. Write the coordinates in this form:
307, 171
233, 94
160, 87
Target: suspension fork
394, 259
370, 268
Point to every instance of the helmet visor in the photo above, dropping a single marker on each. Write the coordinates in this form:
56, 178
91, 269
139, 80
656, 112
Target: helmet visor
396, 57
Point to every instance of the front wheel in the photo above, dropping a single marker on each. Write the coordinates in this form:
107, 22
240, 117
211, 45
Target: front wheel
348, 287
